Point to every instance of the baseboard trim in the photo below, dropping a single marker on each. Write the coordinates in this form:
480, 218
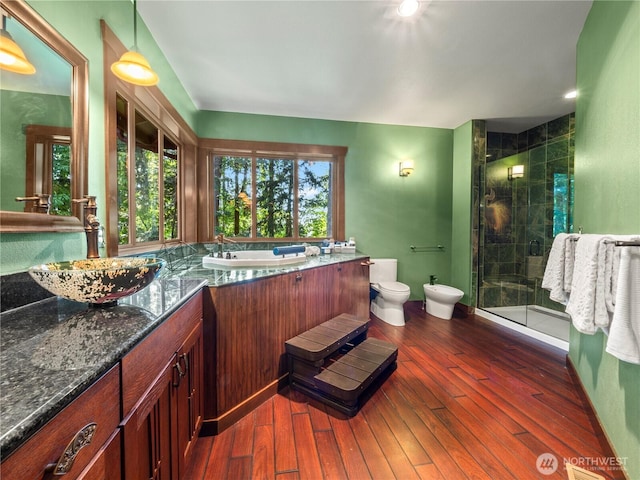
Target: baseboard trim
214, 426
600, 432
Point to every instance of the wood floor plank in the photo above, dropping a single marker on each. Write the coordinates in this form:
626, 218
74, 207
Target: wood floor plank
263, 454
401, 431
480, 451
392, 450
429, 472
376, 461
308, 460
285, 446
196, 470
264, 413
436, 451
240, 467
319, 419
330, 458
354, 463
469, 399
243, 438
218, 461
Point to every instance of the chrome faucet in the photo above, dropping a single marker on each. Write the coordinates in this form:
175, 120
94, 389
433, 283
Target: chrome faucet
91, 224
220, 241
43, 201
432, 279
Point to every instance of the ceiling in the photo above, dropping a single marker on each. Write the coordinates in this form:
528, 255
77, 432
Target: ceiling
508, 62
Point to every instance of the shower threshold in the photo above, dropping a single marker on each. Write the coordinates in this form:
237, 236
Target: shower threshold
546, 321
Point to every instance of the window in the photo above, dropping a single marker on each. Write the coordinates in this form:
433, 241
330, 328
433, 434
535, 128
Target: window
49, 165
152, 178
147, 185
260, 194
562, 203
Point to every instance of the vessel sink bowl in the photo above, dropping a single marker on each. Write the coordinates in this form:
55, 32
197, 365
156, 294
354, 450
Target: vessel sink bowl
100, 281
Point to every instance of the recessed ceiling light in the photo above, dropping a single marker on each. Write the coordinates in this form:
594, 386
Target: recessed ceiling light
571, 94
408, 8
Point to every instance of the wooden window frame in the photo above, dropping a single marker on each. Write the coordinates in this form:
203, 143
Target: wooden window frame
151, 103
214, 147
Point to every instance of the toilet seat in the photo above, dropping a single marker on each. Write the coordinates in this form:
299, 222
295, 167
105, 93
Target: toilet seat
393, 287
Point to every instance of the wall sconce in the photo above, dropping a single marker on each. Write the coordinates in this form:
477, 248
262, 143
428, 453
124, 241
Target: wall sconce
406, 168
517, 171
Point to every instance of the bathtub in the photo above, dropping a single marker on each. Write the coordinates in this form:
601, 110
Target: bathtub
252, 258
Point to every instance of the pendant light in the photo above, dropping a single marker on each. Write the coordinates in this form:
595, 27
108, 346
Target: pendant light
12, 58
132, 66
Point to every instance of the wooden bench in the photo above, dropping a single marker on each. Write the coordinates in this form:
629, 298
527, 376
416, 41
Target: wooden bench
337, 364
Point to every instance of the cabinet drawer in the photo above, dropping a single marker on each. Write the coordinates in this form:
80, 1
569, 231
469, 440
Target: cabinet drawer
99, 404
146, 361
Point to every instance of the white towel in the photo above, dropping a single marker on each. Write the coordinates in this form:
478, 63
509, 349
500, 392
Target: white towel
553, 278
624, 336
588, 267
569, 260
602, 315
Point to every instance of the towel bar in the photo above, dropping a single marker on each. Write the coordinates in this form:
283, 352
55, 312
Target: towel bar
438, 248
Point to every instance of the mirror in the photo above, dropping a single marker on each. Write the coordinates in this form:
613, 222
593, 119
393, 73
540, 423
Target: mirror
43, 127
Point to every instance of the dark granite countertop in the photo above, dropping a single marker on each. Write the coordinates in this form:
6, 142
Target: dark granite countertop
219, 277
52, 350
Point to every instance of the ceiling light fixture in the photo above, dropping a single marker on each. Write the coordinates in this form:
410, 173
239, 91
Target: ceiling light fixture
12, 58
132, 66
408, 8
571, 94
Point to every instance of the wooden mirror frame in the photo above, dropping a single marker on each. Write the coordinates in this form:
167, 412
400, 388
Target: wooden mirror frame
20, 222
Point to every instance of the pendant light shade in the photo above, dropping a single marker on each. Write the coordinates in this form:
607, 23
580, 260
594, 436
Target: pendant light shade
12, 58
132, 66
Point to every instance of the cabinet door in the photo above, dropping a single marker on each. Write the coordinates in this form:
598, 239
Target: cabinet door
354, 288
350, 288
189, 396
147, 436
106, 465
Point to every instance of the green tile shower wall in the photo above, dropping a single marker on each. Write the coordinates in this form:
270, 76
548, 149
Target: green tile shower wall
531, 203
607, 183
385, 212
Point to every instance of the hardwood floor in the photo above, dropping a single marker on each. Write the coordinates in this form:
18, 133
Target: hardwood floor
469, 399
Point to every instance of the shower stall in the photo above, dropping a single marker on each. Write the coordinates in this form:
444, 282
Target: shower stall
525, 187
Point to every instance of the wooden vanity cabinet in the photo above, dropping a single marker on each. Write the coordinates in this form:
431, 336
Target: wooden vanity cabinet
160, 384
162, 390
99, 404
249, 322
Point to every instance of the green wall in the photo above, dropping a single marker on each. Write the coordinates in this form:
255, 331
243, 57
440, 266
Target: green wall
79, 22
385, 212
20, 109
607, 183
461, 234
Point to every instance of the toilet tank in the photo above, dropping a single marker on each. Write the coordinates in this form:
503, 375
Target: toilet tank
383, 270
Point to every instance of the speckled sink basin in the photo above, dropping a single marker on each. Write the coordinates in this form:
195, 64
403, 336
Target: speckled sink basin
99, 281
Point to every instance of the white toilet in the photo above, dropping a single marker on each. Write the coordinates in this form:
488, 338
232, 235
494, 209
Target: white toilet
440, 300
391, 294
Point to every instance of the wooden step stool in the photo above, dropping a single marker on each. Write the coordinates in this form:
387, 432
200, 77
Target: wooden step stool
336, 364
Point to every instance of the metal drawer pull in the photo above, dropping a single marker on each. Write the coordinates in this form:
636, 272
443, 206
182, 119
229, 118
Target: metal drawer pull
185, 358
82, 439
